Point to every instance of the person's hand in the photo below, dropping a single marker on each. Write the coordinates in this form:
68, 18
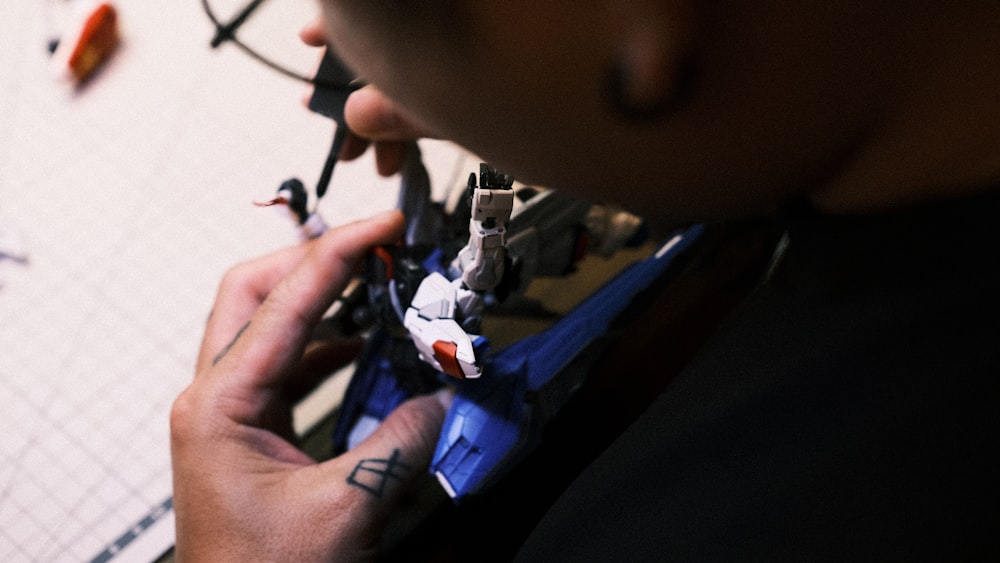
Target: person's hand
373, 118
243, 491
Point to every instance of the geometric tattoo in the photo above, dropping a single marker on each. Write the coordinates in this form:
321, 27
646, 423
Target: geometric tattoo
373, 475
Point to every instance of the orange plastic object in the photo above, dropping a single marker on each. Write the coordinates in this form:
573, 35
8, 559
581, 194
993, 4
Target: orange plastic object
97, 39
446, 353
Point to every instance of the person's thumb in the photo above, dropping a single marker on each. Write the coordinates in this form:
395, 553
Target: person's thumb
366, 482
401, 447
373, 116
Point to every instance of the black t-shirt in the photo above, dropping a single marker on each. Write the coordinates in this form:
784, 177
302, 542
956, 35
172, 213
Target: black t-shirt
848, 410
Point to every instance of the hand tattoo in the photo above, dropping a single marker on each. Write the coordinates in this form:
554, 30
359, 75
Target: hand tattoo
229, 346
373, 475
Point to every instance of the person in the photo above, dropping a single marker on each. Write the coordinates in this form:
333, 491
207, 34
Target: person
844, 411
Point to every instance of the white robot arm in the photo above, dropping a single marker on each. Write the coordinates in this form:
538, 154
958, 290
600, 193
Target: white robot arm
443, 312
480, 264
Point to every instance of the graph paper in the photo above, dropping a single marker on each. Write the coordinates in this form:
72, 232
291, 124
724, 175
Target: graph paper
121, 205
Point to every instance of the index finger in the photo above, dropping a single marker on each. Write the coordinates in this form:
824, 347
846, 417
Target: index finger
241, 292
272, 342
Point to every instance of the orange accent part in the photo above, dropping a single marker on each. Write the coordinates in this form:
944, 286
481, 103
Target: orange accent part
386, 258
97, 41
270, 202
446, 353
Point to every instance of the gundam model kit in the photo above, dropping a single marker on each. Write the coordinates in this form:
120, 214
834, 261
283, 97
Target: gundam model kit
421, 306
427, 304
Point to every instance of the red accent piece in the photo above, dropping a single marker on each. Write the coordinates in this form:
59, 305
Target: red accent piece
276, 201
98, 38
446, 353
386, 258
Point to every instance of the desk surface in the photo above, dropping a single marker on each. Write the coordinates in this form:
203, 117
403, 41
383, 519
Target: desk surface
121, 205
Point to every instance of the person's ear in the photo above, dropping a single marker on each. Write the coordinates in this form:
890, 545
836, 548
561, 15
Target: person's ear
653, 66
